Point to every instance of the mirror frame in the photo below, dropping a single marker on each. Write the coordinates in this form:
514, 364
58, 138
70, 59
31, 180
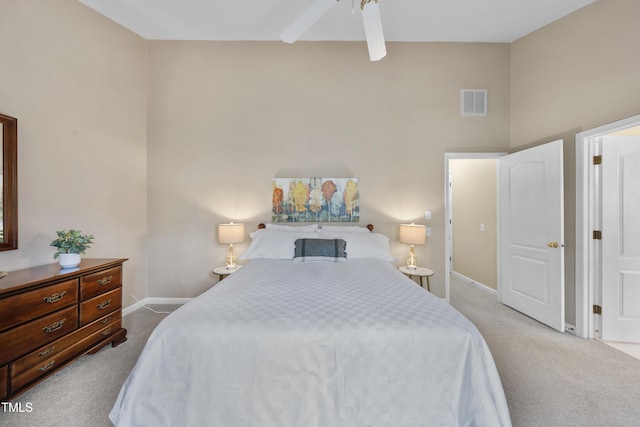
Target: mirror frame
9, 182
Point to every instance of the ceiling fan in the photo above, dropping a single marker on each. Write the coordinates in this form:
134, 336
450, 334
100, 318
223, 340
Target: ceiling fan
370, 17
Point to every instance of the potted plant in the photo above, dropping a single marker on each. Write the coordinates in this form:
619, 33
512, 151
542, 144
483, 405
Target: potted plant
71, 244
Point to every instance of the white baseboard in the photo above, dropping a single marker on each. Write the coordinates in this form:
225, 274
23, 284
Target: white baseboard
139, 304
133, 307
472, 282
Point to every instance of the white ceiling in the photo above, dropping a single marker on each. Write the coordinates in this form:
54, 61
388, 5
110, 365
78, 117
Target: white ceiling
402, 20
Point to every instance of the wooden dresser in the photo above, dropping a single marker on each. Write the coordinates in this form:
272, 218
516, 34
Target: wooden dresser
49, 317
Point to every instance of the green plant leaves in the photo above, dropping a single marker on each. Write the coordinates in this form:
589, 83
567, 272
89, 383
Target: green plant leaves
71, 242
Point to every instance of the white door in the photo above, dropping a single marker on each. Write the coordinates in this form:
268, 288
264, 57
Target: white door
532, 233
621, 239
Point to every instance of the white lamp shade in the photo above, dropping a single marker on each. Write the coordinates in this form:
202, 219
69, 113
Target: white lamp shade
412, 234
231, 233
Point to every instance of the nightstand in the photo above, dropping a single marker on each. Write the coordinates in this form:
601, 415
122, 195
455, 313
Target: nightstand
420, 272
224, 271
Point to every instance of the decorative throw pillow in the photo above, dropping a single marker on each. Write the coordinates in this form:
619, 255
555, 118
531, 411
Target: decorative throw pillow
332, 250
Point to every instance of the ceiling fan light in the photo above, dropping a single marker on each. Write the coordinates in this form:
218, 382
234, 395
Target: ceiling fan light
373, 31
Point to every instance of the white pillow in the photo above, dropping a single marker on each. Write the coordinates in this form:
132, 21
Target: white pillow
362, 245
310, 227
274, 244
345, 228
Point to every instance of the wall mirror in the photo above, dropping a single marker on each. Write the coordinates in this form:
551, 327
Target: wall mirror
9, 183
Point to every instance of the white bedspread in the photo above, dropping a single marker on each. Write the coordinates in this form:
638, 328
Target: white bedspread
280, 343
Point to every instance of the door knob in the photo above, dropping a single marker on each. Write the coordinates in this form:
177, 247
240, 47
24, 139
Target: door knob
553, 244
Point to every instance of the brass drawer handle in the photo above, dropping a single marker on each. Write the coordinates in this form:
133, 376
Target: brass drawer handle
107, 320
104, 304
54, 297
106, 331
54, 326
47, 351
104, 280
48, 366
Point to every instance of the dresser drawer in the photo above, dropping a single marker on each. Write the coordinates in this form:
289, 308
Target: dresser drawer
103, 333
58, 346
44, 367
99, 306
97, 283
29, 305
19, 380
25, 338
4, 375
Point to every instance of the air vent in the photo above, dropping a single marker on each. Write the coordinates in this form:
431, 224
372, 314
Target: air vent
473, 102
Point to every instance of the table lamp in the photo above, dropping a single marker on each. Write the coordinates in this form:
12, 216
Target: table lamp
231, 233
412, 234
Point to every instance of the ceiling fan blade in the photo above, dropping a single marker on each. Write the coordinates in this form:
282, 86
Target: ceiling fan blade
298, 27
373, 31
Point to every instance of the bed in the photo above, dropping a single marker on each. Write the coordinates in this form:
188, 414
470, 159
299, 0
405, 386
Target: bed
335, 336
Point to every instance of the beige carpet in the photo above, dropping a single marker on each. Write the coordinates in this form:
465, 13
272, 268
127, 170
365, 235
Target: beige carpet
82, 394
553, 379
550, 379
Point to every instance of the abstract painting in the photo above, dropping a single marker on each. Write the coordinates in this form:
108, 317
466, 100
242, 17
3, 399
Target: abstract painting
315, 200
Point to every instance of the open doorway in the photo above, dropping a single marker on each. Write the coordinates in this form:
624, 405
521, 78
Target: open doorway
530, 236
471, 219
608, 263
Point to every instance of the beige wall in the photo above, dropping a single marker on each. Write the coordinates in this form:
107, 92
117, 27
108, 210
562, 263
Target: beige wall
573, 75
474, 203
224, 118
76, 82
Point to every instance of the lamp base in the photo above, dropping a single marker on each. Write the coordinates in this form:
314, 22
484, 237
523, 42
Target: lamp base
231, 258
411, 261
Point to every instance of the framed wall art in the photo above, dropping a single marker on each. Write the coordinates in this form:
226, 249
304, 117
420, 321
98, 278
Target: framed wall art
315, 200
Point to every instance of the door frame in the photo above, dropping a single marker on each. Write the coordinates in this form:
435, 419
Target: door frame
448, 227
588, 204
